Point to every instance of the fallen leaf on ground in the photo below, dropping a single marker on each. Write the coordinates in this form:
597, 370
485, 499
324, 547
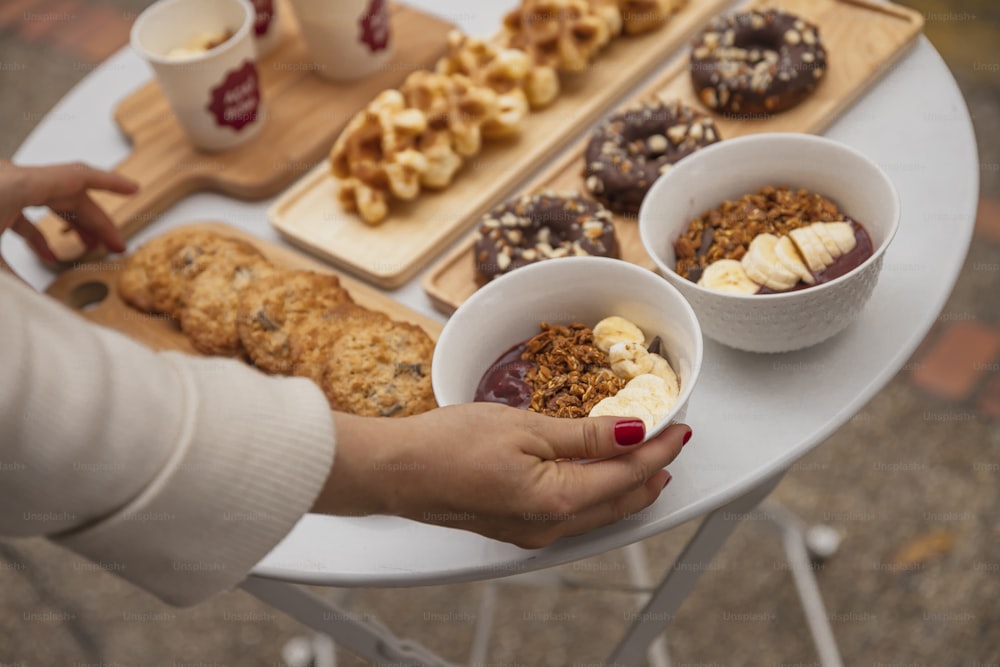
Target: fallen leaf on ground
923, 548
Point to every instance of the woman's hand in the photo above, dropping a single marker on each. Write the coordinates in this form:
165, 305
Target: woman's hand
63, 188
492, 469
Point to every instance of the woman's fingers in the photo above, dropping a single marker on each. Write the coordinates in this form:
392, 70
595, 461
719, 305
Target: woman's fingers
589, 438
627, 506
605, 513
64, 187
98, 179
92, 223
491, 469
45, 184
34, 238
589, 484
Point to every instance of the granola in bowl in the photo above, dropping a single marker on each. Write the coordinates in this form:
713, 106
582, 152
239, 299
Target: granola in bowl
774, 240
571, 370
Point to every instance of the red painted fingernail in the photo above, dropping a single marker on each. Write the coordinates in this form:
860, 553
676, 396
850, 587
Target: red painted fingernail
687, 436
629, 432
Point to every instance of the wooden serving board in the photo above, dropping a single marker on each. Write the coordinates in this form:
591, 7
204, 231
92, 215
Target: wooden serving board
863, 40
305, 113
391, 253
92, 289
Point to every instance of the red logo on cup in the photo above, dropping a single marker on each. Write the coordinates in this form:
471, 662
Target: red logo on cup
265, 11
234, 102
375, 25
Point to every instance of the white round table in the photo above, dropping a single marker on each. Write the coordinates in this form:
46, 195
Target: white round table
752, 415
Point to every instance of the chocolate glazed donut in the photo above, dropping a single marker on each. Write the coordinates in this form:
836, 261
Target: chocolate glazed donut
756, 62
546, 225
631, 149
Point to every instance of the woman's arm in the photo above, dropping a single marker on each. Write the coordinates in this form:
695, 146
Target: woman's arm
183, 472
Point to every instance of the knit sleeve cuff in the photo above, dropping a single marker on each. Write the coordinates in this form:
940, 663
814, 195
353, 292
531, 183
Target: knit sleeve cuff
255, 452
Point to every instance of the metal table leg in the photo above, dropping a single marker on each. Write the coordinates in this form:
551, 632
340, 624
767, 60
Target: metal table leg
795, 539
369, 639
680, 580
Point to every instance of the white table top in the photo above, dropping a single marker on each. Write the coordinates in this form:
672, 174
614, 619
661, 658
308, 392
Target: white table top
752, 415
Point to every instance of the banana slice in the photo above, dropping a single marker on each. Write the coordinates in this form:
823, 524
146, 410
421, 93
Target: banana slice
728, 275
661, 369
826, 236
621, 406
789, 257
616, 329
629, 359
841, 233
646, 397
811, 248
762, 264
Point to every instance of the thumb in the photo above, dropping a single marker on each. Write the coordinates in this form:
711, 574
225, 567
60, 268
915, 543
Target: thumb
586, 438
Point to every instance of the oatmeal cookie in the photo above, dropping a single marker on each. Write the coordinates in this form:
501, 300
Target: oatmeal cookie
274, 312
209, 315
170, 281
312, 340
380, 370
135, 283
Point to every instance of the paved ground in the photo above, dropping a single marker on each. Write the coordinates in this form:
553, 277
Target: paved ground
912, 482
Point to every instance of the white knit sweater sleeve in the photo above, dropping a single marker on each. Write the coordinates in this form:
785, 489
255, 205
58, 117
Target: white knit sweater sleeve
175, 472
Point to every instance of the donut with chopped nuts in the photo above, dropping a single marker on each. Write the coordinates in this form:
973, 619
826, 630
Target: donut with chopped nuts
757, 62
546, 225
629, 150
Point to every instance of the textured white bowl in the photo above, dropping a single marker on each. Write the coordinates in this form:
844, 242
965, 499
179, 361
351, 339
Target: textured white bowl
508, 311
735, 167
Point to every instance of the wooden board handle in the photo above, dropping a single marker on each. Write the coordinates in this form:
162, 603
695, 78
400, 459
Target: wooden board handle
161, 182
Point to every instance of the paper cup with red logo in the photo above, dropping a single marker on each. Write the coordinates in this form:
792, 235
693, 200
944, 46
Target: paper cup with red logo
266, 27
346, 39
215, 92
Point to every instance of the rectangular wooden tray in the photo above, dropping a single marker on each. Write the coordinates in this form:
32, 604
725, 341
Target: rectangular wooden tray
304, 115
92, 289
389, 254
863, 39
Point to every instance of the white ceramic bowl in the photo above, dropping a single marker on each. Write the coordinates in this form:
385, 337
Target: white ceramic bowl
735, 167
508, 311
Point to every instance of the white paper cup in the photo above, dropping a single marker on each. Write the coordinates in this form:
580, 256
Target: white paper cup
267, 26
215, 94
346, 39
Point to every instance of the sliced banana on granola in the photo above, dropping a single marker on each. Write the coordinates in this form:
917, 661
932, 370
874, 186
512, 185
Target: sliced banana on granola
763, 266
616, 329
811, 247
663, 370
646, 397
629, 359
821, 243
728, 275
780, 263
837, 234
652, 387
789, 257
